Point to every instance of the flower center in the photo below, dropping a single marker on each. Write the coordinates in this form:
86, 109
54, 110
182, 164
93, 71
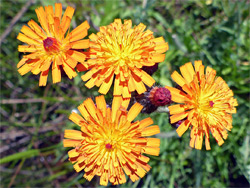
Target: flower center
211, 103
120, 48
112, 140
51, 45
203, 105
122, 54
108, 146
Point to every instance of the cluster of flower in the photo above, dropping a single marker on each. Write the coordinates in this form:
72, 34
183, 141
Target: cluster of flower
110, 143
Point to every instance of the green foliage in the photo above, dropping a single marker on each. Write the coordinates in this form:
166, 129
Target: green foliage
217, 32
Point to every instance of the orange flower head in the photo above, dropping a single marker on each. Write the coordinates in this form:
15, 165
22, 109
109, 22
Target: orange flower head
47, 45
207, 104
118, 52
110, 144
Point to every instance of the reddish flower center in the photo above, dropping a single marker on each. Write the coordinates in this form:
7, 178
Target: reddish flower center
211, 103
108, 146
51, 45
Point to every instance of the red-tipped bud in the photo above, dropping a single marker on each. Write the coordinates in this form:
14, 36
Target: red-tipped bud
150, 70
160, 96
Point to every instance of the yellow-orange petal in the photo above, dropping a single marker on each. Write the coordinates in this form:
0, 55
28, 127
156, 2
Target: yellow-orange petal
79, 32
21, 62
27, 40
29, 32
134, 111
187, 72
177, 117
105, 86
42, 19
73, 134
153, 142
78, 56
71, 143
177, 95
158, 58
56, 72
91, 108
76, 118
80, 44
197, 65
73, 153
25, 69
116, 104
37, 29
178, 78
71, 73
152, 130
147, 79
152, 151
58, 10
139, 86
178, 108
67, 16
43, 78
183, 127
146, 122
101, 104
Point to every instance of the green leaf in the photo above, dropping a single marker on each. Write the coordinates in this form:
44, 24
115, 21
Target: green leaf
210, 58
226, 71
226, 29
21, 155
159, 18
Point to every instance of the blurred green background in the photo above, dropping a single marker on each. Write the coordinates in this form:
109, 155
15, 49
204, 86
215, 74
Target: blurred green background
33, 118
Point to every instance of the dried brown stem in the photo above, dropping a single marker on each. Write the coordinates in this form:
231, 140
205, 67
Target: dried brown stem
16, 172
14, 20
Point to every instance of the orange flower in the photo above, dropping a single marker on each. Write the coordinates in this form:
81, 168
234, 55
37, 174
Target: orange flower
47, 44
109, 142
120, 51
207, 104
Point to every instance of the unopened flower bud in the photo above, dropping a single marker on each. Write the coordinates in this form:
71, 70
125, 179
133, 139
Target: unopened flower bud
153, 98
160, 96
